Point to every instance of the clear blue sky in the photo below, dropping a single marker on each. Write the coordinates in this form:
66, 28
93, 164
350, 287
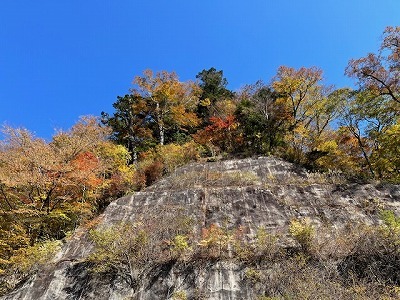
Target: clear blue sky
60, 59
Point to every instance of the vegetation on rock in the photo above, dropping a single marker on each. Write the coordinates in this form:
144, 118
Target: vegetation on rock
354, 262
48, 188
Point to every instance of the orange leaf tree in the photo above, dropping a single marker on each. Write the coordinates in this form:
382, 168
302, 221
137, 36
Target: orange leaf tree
221, 135
48, 187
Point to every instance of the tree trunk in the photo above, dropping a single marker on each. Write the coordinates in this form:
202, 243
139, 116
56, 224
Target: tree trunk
360, 144
161, 129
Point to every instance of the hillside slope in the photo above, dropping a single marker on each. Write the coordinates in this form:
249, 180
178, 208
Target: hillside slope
237, 196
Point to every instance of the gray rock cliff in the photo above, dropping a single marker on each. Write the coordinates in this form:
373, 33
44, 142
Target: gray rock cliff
249, 193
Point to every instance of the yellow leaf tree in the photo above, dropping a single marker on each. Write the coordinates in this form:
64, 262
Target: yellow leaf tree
172, 103
310, 108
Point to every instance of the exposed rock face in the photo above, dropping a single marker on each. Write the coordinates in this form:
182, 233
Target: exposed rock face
265, 192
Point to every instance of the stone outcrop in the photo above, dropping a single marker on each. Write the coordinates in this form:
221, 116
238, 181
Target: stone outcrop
251, 193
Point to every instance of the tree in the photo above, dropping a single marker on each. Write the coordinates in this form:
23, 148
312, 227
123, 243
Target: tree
367, 117
132, 124
309, 109
353, 119
299, 91
373, 112
386, 159
221, 135
171, 103
31, 166
380, 73
213, 89
47, 188
262, 118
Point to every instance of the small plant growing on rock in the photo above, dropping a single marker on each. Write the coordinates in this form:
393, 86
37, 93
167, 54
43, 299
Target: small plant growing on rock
179, 245
215, 241
253, 275
266, 244
179, 295
303, 232
391, 222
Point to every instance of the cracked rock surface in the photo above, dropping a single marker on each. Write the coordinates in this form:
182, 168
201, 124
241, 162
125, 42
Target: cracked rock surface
255, 192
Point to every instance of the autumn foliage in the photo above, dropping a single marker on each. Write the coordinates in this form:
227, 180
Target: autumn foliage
222, 135
47, 188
